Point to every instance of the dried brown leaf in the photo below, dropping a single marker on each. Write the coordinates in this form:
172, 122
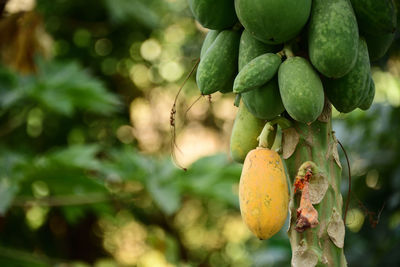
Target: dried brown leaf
336, 229
290, 140
304, 257
318, 187
326, 113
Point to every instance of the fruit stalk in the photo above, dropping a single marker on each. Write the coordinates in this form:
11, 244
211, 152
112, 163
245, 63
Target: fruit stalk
267, 136
316, 229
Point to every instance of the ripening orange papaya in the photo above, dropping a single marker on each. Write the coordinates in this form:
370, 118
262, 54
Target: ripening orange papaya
263, 192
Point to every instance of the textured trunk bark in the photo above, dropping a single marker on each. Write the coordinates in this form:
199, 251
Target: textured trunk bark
316, 229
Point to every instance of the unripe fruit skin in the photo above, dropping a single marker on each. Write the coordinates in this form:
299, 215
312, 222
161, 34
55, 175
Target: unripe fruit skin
301, 89
251, 48
378, 45
212, 14
208, 41
245, 131
257, 72
369, 97
346, 93
375, 17
273, 21
263, 193
218, 66
332, 37
264, 102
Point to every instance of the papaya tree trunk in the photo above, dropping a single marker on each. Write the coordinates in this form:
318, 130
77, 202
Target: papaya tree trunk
316, 230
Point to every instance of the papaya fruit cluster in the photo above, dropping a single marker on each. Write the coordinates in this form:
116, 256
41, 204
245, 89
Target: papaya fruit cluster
288, 57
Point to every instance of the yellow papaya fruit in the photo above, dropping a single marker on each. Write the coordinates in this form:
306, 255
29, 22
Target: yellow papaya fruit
263, 192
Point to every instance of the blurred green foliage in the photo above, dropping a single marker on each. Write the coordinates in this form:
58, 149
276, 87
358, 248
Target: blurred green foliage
76, 190
371, 139
76, 90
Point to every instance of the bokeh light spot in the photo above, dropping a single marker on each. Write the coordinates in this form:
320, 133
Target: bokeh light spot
171, 71
14, 6
35, 122
387, 87
139, 75
394, 220
36, 216
40, 189
174, 34
154, 258
82, 38
372, 179
124, 66
150, 49
124, 134
355, 220
103, 47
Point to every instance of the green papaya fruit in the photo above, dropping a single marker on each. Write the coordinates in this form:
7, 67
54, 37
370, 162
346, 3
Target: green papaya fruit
378, 45
245, 131
364, 92
261, 102
273, 21
346, 93
369, 98
375, 17
216, 15
251, 48
218, 67
210, 38
257, 72
228, 87
301, 89
264, 102
332, 37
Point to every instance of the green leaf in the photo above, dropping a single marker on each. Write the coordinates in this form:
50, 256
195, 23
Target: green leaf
167, 197
8, 78
164, 186
8, 189
65, 86
123, 10
213, 177
157, 177
77, 156
61, 87
14, 257
69, 171
10, 176
128, 164
214, 162
11, 89
73, 214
